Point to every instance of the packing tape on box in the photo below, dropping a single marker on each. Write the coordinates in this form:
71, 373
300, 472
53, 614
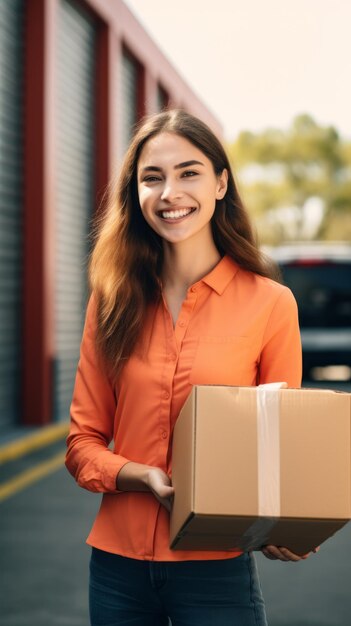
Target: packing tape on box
257, 534
268, 449
268, 455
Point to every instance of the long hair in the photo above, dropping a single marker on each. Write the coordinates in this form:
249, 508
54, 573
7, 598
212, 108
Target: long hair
126, 261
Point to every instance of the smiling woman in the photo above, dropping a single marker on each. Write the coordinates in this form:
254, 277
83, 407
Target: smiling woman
180, 295
176, 201
129, 255
172, 212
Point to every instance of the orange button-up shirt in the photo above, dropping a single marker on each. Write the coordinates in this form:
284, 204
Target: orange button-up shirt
234, 328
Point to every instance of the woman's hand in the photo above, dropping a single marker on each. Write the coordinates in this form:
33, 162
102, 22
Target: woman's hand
139, 477
283, 554
160, 485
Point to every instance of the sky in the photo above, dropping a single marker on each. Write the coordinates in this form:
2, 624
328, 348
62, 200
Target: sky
258, 63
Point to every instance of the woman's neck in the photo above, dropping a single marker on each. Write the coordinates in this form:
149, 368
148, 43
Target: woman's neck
185, 263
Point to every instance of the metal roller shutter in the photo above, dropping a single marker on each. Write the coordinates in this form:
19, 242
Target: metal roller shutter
75, 191
11, 202
128, 100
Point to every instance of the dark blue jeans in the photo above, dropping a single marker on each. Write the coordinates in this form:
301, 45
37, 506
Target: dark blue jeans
190, 593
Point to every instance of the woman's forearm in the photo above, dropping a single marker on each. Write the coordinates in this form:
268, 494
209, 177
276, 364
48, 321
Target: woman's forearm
139, 477
133, 477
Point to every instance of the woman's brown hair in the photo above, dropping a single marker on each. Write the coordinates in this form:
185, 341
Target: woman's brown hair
126, 261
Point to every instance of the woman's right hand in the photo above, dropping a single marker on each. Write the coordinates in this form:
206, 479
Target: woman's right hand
160, 485
139, 477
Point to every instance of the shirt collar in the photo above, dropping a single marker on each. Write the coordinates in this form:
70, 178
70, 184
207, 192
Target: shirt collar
221, 275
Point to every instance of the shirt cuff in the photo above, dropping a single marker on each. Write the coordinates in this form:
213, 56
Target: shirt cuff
111, 470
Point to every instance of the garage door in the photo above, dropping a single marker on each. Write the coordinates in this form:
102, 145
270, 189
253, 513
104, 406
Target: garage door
75, 190
128, 100
11, 202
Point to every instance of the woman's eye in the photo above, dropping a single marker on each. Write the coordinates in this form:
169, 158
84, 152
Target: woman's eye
150, 179
189, 173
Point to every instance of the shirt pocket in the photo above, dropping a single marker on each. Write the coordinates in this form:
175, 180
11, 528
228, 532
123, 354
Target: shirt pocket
223, 361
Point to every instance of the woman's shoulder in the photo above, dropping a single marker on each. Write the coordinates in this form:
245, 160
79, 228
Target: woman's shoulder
267, 287
91, 314
91, 306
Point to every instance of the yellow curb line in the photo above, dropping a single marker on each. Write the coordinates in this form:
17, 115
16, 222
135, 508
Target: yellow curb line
31, 476
44, 437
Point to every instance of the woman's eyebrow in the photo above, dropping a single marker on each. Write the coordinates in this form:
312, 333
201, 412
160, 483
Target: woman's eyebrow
154, 168
187, 163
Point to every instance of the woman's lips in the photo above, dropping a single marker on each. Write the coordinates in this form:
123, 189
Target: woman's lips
175, 214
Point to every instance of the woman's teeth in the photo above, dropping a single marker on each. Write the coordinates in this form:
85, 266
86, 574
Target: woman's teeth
175, 214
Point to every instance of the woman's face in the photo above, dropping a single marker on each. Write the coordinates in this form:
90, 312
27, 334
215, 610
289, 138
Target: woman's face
177, 187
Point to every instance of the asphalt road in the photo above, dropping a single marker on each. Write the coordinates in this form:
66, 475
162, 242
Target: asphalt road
44, 564
44, 573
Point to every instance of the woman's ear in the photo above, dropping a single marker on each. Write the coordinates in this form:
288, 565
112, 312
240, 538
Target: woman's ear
222, 184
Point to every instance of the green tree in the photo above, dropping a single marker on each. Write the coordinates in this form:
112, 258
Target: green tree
297, 182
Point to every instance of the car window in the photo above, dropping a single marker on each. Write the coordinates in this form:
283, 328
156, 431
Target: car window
322, 291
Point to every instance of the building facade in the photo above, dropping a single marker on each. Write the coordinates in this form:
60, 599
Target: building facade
75, 76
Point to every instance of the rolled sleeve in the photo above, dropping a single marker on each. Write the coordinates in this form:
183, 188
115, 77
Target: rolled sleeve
94, 466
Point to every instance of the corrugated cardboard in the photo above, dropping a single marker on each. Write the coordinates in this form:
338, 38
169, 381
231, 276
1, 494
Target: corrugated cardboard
219, 492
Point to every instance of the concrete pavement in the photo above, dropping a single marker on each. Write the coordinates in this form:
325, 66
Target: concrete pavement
44, 558
45, 564
43, 554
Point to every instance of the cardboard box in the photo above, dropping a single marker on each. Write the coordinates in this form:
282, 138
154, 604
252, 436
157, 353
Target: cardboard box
255, 466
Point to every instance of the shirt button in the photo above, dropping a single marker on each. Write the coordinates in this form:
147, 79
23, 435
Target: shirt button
164, 434
166, 395
194, 288
181, 323
172, 356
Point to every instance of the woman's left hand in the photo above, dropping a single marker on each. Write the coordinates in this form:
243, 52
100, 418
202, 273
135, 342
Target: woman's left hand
283, 554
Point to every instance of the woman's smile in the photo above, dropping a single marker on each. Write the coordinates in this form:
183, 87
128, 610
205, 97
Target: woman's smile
175, 214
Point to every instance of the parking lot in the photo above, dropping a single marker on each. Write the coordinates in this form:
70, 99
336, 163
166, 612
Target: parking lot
45, 560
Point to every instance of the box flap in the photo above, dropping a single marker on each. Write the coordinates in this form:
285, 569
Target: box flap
316, 465
226, 451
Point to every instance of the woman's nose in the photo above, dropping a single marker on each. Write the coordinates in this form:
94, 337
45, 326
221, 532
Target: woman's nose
171, 191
